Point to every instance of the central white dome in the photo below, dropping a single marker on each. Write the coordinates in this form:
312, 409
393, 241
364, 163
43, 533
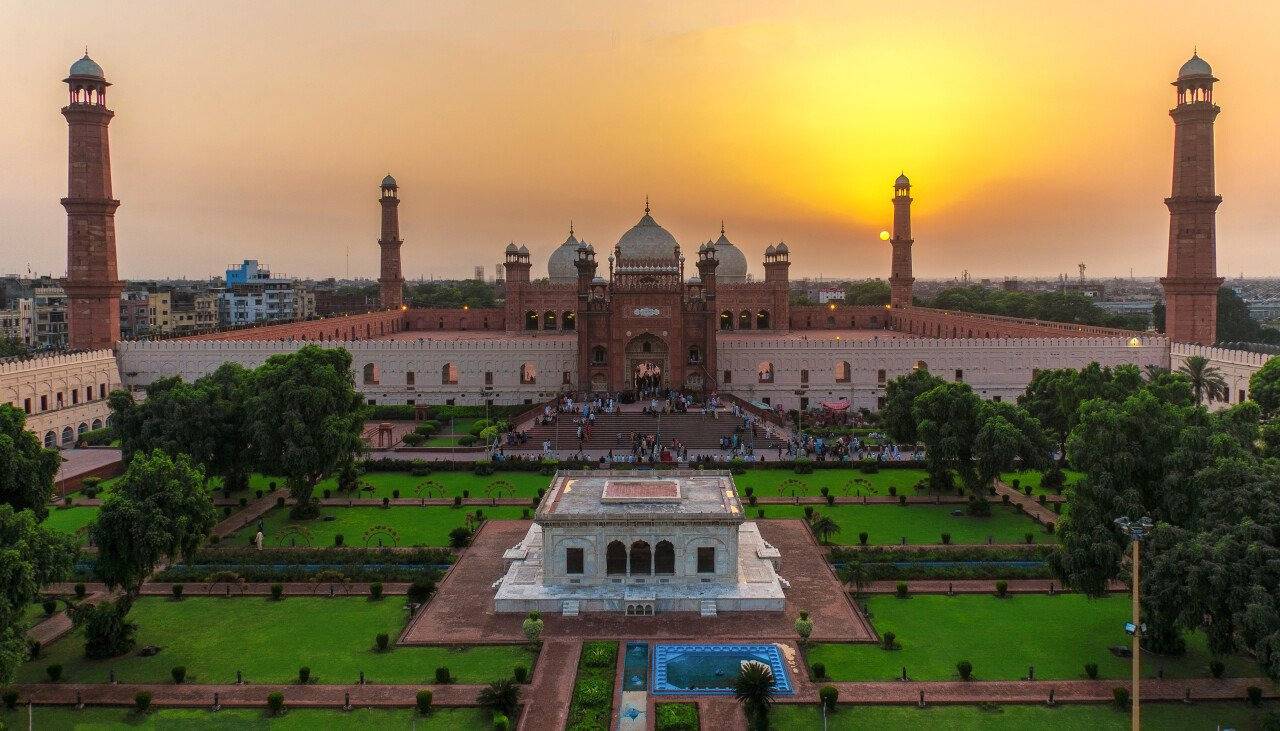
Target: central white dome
647, 240
560, 267
733, 263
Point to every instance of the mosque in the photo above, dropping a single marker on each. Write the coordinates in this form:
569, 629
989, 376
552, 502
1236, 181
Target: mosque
647, 311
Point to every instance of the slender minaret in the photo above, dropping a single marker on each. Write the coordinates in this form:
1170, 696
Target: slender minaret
1191, 287
93, 284
390, 280
900, 278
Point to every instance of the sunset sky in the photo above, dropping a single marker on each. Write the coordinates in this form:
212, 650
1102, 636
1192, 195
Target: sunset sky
1036, 134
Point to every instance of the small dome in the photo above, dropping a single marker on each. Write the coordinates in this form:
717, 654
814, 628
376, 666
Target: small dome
560, 266
87, 67
733, 263
902, 182
782, 248
647, 240
771, 250
598, 280
523, 250
511, 248
1195, 66
695, 279
388, 182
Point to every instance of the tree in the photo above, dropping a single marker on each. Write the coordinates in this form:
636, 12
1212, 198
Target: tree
159, 511
27, 469
900, 395
1204, 378
855, 573
754, 690
305, 418
1236, 325
823, 526
502, 697
31, 557
10, 348
867, 292
224, 427
1264, 386
1052, 306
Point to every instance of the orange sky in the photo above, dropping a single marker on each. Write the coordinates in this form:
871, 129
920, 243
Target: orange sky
1036, 135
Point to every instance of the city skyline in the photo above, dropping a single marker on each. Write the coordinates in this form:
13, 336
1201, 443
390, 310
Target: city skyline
1005, 186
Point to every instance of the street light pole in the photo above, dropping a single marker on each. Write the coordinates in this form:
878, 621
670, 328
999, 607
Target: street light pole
1135, 531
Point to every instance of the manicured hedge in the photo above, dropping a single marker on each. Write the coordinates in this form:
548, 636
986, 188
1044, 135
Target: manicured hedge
881, 562
296, 564
676, 717
96, 437
390, 412
591, 708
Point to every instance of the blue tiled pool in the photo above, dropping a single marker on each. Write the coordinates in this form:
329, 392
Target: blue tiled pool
635, 666
712, 669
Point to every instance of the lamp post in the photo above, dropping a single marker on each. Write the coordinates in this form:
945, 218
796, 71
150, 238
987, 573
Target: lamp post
1135, 530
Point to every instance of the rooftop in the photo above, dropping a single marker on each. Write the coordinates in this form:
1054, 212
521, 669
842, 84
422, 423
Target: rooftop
628, 495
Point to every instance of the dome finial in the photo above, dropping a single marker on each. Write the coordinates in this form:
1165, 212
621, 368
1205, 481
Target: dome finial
570, 228
722, 227
646, 204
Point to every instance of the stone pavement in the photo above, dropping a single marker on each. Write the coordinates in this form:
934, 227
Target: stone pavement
1030, 505
254, 510
546, 698
1034, 691
248, 694
462, 611
976, 586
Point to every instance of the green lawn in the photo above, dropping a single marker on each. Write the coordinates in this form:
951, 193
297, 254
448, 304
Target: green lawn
1032, 478
70, 520
257, 481
269, 641
409, 526
446, 484
1002, 637
839, 482
921, 524
362, 719
1070, 717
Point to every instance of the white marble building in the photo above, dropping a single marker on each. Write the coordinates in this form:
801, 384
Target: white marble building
604, 541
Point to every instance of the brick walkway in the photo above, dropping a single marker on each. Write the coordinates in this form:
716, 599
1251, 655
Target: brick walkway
192, 695
1029, 505
547, 697
975, 586
239, 519
462, 611
1037, 691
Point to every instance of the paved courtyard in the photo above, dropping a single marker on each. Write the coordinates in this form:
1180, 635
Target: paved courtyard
462, 611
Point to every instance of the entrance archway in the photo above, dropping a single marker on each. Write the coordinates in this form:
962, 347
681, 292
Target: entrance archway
647, 362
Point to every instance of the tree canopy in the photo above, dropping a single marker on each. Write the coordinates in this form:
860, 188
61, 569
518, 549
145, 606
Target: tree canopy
1264, 387
900, 395
27, 469
1054, 395
1052, 306
451, 294
867, 292
31, 556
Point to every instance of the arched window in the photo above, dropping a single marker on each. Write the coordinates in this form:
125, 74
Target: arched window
68, 436
568, 321
598, 355
82, 428
646, 346
765, 369
615, 559
695, 354
97, 423
371, 374
528, 373
548, 320
726, 320
530, 320
641, 559
921, 366
664, 558
762, 320
744, 320
831, 321
842, 371
449, 375
50, 439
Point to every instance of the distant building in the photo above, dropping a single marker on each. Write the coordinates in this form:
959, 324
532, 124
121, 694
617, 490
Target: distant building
194, 311
830, 294
135, 317
11, 325
49, 318
252, 295
330, 302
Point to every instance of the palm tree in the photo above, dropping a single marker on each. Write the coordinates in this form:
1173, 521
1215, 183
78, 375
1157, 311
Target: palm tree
856, 574
1204, 377
754, 690
823, 526
1154, 371
502, 696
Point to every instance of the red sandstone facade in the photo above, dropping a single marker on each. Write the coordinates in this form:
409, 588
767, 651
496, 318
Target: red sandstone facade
93, 284
900, 279
390, 280
1191, 287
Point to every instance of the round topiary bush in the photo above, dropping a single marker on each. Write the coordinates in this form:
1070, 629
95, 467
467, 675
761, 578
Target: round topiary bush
142, 702
829, 695
423, 702
819, 670
179, 674
382, 641
1091, 670
304, 675
275, 703
965, 669
1121, 696
520, 673
889, 641
442, 676
901, 590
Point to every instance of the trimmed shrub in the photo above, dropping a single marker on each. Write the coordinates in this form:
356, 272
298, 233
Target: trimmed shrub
1004, 498
1091, 670
819, 671
457, 501
382, 641
423, 702
386, 502
49, 606
1217, 668
327, 493
257, 494
893, 491
395, 494
501, 722
33, 649
277, 591
279, 501
1120, 695
749, 491
946, 539
889, 641
442, 676
902, 499
338, 538
1002, 588
752, 501
54, 672
244, 501
304, 675
79, 591
1031, 538
10, 699
420, 591
176, 590
760, 513
831, 500
142, 702
965, 669
275, 703
375, 590
179, 674
1254, 695
520, 673
829, 695
808, 512
901, 590
862, 538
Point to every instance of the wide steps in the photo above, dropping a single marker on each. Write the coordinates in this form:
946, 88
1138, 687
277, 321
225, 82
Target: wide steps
707, 608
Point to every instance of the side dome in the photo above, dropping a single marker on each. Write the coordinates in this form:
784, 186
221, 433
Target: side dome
87, 67
388, 182
902, 182
1195, 66
647, 240
511, 248
560, 268
733, 263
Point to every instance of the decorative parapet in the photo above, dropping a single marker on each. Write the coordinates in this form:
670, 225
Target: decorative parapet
38, 362
1221, 355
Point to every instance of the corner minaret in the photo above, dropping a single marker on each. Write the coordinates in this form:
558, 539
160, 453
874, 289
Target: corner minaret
93, 284
390, 281
1191, 287
900, 278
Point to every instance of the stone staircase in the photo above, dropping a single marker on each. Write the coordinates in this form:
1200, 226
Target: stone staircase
694, 430
707, 607
569, 608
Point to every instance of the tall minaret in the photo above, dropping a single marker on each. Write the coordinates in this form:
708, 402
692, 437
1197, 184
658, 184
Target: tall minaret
93, 285
1191, 287
900, 278
390, 280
